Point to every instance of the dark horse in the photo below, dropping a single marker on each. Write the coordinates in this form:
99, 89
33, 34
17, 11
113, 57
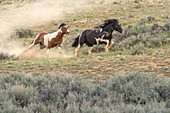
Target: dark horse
96, 37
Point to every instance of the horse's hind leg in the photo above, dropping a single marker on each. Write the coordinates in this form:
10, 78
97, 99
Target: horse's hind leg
76, 51
81, 42
37, 50
34, 42
29, 47
89, 51
22, 55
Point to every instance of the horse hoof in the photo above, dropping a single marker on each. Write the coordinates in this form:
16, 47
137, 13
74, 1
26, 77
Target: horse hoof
92, 55
107, 50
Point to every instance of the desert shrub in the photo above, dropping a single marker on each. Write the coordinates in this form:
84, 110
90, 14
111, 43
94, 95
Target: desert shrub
138, 49
135, 92
23, 33
21, 95
138, 88
140, 37
15, 1
4, 56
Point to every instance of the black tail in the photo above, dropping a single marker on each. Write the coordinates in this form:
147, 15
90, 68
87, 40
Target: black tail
76, 42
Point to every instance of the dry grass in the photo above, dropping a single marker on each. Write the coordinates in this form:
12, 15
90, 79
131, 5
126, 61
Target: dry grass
104, 65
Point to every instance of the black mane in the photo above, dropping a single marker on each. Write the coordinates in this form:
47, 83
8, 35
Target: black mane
62, 24
107, 22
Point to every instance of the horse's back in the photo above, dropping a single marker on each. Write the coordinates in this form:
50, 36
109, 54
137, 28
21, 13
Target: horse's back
92, 35
40, 38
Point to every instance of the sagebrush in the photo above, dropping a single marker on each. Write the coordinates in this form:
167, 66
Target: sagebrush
134, 92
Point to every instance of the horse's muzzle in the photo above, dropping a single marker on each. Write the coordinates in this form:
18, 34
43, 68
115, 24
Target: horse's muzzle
68, 33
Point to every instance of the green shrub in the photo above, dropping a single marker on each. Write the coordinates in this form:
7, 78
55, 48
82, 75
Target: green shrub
4, 56
23, 33
21, 95
141, 37
135, 92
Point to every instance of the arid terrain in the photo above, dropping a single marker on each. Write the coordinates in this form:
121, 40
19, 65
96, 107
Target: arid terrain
133, 76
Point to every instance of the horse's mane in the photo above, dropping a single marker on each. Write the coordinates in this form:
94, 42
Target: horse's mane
62, 24
107, 22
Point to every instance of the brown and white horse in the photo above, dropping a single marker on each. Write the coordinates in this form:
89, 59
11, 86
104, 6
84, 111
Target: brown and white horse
50, 40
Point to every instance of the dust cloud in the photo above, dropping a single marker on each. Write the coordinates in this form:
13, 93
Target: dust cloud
23, 15
20, 15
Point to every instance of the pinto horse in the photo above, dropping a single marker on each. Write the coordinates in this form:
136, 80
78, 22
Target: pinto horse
96, 37
50, 40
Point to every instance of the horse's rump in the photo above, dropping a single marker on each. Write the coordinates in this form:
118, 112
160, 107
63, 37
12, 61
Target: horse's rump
76, 42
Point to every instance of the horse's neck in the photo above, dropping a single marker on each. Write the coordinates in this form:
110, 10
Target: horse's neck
59, 33
108, 29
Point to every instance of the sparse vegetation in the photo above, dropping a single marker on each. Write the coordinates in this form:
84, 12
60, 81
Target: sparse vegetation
23, 33
6, 56
140, 37
132, 77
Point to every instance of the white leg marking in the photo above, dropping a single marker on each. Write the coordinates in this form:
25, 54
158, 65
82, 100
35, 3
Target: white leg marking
77, 49
97, 41
111, 44
89, 51
29, 47
59, 50
36, 38
47, 53
107, 45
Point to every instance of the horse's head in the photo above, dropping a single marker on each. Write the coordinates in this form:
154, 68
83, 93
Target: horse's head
64, 28
114, 24
117, 26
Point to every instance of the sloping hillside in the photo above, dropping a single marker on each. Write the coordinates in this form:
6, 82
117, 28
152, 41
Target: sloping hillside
144, 46
134, 76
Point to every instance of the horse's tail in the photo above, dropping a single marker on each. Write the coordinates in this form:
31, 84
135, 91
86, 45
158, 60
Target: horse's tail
76, 42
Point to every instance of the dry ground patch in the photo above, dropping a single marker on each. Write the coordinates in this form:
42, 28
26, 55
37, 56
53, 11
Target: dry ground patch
102, 66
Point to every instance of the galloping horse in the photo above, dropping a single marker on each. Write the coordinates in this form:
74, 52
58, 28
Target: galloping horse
96, 37
50, 40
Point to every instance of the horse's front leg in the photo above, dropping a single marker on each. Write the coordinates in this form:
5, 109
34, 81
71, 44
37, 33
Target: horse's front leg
59, 50
47, 53
111, 44
107, 44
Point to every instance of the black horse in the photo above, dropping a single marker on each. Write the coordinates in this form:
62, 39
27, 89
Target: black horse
96, 37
